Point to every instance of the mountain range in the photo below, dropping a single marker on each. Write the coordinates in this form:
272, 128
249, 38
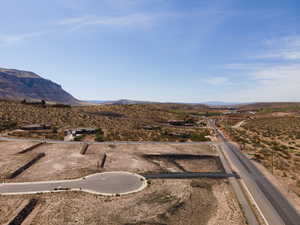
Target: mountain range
19, 85
131, 102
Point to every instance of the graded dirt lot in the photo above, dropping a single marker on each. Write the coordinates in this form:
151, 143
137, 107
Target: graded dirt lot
202, 165
64, 161
174, 202
162, 202
10, 160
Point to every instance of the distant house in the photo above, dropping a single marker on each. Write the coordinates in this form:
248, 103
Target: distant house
252, 112
201, 123
79, 131
188, 122
72, 134
230, 112
151, 127
36, 127
176, 122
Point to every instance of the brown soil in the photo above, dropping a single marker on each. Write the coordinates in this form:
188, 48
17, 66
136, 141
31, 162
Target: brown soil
172, 202
64, 161
202, 165
10, 160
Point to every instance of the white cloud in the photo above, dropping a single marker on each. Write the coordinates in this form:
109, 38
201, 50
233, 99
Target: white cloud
270, 80
217, 81
138, 19
268, 83
286, 48
282, 73
124, 3
245, 66
76, 20
281, 54
280, 83
11, 39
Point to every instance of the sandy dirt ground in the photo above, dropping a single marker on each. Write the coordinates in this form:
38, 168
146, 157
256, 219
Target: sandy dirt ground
239, 124
203, 165
163, 202
64, 161
10, 160
282, 185
171, 202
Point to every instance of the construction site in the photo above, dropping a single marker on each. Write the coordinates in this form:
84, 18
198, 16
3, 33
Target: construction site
133, 183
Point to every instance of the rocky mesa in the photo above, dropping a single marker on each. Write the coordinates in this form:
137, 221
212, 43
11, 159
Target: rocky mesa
18, 85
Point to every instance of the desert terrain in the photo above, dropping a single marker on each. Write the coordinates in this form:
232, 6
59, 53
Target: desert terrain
271, 138
164, 201
151, 122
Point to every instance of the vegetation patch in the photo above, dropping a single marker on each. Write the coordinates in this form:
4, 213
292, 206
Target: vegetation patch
273, 141
159, 198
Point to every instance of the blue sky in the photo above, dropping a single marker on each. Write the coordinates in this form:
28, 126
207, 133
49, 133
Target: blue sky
159, 50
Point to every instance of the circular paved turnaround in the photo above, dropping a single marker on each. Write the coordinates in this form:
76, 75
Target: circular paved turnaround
107, 183
113, 183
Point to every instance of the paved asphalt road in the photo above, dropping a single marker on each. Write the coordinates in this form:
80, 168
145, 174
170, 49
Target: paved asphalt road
106, 142
239, 192
276, 209
108, 183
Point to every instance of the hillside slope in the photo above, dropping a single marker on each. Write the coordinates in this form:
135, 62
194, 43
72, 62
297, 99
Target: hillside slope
18, 84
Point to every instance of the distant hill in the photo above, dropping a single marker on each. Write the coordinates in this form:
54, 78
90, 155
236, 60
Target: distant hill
216, 103
18, 85
97, 101
131, 102
270, 105
121, 102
